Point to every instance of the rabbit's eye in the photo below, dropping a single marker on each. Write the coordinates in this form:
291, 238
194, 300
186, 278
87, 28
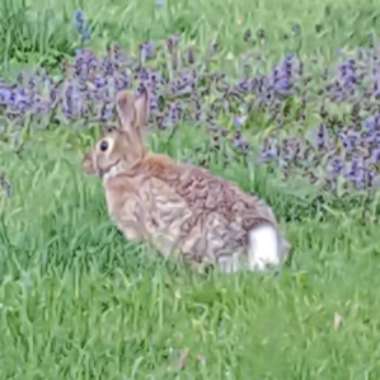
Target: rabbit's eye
110, 129
103, 145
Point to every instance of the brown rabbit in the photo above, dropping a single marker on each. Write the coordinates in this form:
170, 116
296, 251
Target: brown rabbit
179, 208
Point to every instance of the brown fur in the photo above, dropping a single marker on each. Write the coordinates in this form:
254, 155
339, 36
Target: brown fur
178, 208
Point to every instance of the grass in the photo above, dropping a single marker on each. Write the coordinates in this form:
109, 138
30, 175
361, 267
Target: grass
78, 301
41, 31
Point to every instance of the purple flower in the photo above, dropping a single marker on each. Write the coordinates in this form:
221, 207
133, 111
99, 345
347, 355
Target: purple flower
321, 139
73, 105
20, 100
282, 85
243, 86
172, 42
336, 165
190, 56
346, 144
372, 123
376, 155
106, 112
81, 25
153, 103
184, 84
269, 151
5, 96
100, 82
283, 77
356, 174
350, 140
240, 143
79, 17
147, 51
121, 82
40, 106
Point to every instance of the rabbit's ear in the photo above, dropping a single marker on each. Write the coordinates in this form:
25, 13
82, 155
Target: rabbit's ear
129, 116
125, 105
142, 109
133, 111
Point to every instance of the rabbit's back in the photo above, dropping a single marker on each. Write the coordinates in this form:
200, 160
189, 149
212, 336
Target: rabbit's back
205, 217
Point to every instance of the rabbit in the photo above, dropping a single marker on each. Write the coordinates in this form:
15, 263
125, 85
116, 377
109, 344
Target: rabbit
181, 210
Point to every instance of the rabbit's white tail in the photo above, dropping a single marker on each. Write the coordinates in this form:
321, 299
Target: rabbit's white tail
265, 248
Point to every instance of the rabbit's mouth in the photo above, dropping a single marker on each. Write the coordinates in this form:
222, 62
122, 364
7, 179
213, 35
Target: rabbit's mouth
109, 171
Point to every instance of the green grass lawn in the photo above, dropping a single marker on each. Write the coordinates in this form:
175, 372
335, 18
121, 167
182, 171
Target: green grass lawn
41, 31
78, 301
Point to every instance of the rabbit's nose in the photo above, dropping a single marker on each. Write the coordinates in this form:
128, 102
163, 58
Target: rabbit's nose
87, 164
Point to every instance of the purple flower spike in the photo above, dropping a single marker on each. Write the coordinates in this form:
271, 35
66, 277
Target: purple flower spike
81, 25
372, 124
147, 51
321, 137
339, 105
240, 143
270, 151
376, 155
5, 96
336, 165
